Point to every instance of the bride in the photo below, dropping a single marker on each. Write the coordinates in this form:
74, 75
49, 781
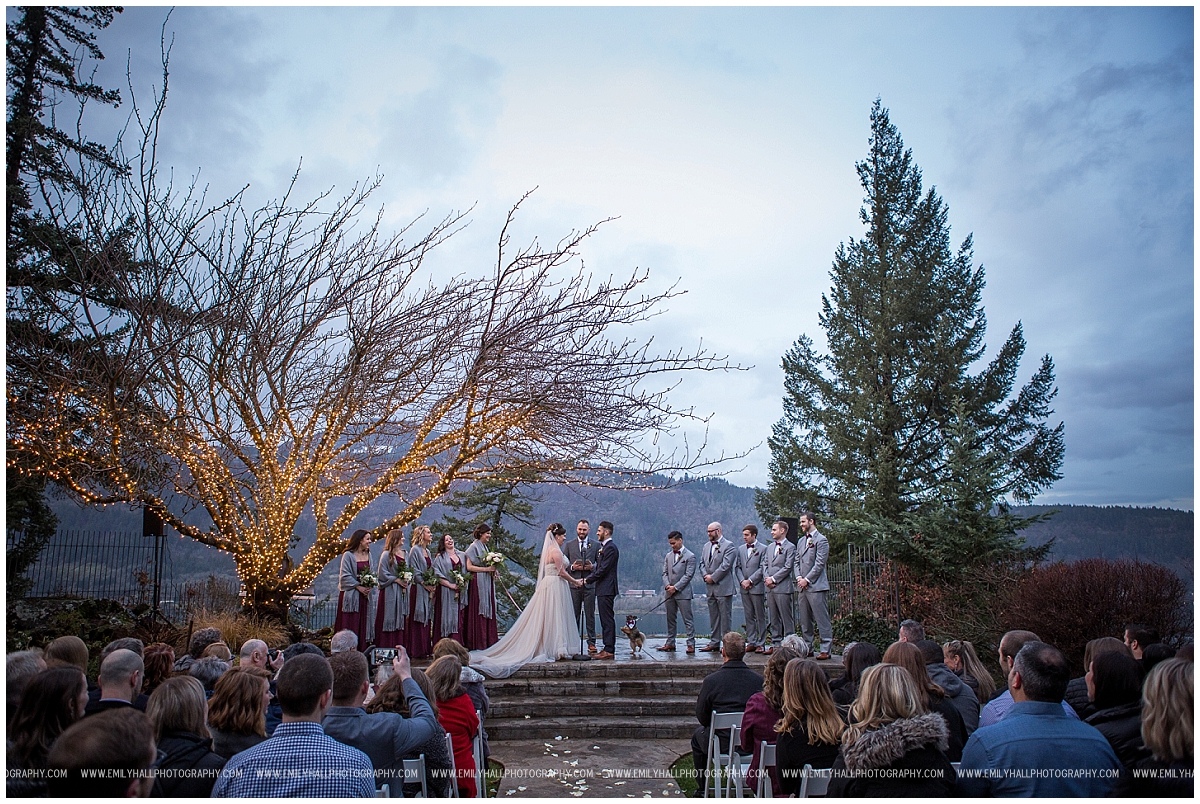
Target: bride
546, 630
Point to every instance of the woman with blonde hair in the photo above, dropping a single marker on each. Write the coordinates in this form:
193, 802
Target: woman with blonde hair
960, 656
177, 708
392, 614
418, 634
1167, 730
237, 711
933, 698
892, 748
810, 730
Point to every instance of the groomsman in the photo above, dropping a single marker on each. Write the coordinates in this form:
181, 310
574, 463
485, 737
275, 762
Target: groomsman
777, 577
581, 553
719, 555
749, 567
679, 567
812, 552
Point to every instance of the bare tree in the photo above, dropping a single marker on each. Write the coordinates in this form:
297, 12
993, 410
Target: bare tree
293, 358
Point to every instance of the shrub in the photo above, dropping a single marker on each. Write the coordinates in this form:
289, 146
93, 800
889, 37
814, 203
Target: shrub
861, 626
1069, 603
237, 628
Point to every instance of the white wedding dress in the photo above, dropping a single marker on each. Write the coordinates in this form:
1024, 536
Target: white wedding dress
545, 631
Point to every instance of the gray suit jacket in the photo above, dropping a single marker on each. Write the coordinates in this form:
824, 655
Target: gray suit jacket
810, 561
573, 553
750, 567
680, 573
717, 561
778, 565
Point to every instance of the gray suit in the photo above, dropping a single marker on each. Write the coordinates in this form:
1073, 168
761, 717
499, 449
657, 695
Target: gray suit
717, 561
811, 556
583, 597
749, 567
777, 564
678, 572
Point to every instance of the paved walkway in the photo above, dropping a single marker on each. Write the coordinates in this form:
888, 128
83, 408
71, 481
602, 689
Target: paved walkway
579, 768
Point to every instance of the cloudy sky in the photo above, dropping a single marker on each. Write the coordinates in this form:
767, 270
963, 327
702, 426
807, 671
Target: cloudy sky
724, 141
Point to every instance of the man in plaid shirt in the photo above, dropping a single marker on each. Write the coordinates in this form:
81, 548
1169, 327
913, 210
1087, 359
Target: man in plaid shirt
299, 760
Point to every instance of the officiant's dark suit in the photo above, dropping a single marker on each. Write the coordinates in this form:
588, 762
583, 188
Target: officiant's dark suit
604, 578
583, 597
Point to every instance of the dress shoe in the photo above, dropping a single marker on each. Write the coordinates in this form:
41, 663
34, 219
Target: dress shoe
670, 648
710, 649
605, 655
823, 655
759, 649
592, 649
690, 650
768, 651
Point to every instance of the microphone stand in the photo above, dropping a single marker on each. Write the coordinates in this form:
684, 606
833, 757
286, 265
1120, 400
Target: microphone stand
583, 655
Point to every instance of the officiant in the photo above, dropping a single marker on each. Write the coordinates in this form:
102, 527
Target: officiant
581, 554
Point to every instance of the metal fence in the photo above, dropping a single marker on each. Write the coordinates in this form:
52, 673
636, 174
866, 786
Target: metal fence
97, 564
859, 584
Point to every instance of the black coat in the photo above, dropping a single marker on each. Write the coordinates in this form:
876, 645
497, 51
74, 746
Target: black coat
917, 743
1122, 727
793, 752
1160, 779
726, 689
185, 752
1077, 697
956, 728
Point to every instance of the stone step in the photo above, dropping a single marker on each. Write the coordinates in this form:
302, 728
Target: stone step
605, 727
674, 706
642, 668
516, 688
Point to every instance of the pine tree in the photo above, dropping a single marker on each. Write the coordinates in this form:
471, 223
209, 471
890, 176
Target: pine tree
889, 434
492, 501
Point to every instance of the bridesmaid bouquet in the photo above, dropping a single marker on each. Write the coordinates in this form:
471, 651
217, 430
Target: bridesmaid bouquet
460, 580
403, 573
492, 558
367, 579
429, 577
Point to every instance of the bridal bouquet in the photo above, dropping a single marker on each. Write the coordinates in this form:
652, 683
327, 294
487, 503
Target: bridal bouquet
460, 580
492, 558
367, 579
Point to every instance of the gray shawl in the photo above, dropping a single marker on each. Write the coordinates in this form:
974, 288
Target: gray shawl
418, 564
347, 581
392, 596
450, 598
482, 580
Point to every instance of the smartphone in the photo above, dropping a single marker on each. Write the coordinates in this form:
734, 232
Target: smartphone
383, 655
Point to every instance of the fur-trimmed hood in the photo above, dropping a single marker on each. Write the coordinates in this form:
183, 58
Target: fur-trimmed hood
886, 745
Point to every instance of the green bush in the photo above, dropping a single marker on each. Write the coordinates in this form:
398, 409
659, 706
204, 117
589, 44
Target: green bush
35, 623
861, 626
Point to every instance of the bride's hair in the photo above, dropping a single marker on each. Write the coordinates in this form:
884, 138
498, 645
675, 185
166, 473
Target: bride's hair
557, 530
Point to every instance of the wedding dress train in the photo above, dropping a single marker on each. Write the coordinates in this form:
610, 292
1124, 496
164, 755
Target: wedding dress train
546, 630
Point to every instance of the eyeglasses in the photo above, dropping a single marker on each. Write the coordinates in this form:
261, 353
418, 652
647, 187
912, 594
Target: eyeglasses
159, 758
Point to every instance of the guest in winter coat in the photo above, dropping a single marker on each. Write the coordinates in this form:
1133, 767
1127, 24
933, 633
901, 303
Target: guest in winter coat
810, 730
854, 661
888, 733
1115, 688
390, 698
177, 708
960, 656
1077, 689
931, 695
237, 711
960, 694
50, 703
471, 680
763, 711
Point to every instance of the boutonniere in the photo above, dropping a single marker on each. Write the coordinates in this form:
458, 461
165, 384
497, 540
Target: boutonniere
810, 542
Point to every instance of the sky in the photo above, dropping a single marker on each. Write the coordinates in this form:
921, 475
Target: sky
723, 141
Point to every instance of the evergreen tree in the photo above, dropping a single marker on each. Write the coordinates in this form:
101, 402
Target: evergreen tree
492, 501
47, 259
889, 434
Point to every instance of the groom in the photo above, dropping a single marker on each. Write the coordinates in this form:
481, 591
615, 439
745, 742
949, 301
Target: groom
605, 579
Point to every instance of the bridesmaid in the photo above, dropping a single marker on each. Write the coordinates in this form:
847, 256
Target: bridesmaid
392, 616
447, 608
417, 636
479, 620
354, 610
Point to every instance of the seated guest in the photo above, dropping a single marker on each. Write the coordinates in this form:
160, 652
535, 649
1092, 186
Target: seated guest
120, 741
1139, 637
959, 655
237, 710
1010, 645
52, 702
1167, 730
384, 737
196, 645
891, 747
724, 690
930, 695
207, 670
910, 631
125, 643
299, 649
1037, 735
391, 698
67, 650
1187, 652
810, 731
121, 676
158, 659
177, 710
1077, 690
472, 680
331, 769
343, 641
457, 715
256, 654
961, 696
1115, 687
19, 669
763, 711
1155, 653
854, 661
796, 643
219, 650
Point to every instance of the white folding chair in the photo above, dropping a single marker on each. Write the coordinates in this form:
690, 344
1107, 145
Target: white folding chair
477, 753
814, 782
385, 791
453, 769
739, 765
718, 761
414, 771
766, 759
